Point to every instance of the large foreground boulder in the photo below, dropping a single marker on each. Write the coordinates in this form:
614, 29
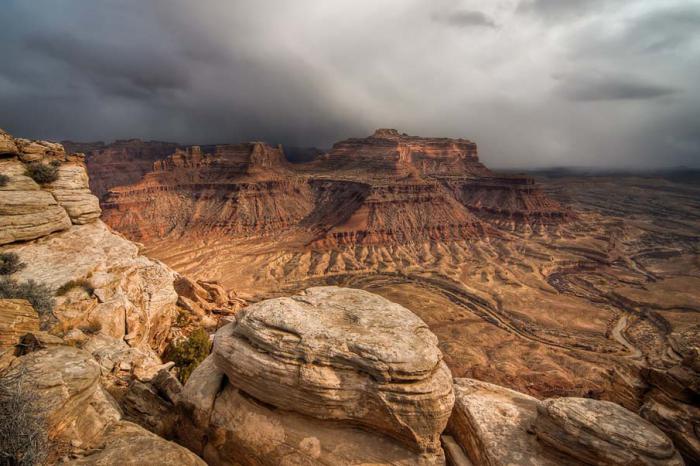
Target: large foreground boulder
497, 426
331, 376
602, 433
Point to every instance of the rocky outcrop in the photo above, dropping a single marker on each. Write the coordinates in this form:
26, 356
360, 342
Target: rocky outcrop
294, 375
672, 402
85, 423
73, 194
508, 201
120, 163
601, 432
388, 152
26, 210
29, 210
132, 298
17, 317
386, 191
495, 426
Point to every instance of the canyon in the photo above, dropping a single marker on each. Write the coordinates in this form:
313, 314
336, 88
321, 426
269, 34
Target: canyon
392, 301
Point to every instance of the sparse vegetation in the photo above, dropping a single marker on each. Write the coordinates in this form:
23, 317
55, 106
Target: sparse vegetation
23, 427
4, 179
188, 354
80, 283
183, 318
42, 173
9, 263
93, 327
40, 296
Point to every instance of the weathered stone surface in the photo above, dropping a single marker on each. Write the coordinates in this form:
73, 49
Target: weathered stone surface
73, 194
680, 421
345, 355
491, 423
143, 405
128, 444
454, 453
331, 376
7, 143
17, 317
82, 414
32, 151
26, 211
66, 379
672, 402
231, 428
133, 295
602, 433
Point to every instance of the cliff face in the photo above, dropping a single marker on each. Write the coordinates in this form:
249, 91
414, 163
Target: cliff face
386, 189
387, 152
119, 163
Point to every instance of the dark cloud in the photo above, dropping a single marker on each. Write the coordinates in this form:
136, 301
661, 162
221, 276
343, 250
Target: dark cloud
114, 68
465, 19
612, 88
564, 9
308, 73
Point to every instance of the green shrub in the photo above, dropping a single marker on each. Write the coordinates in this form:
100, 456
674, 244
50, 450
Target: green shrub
42, 173
188, 354
40, 296
80, 283
23, 423
4, 179
9, 263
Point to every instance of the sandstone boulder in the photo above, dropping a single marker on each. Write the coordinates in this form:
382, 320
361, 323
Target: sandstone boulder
602, 433
498, 426
27, 211
491, 423
32, 151
72, 192
17, 317
7, 143
331, 376
345, 355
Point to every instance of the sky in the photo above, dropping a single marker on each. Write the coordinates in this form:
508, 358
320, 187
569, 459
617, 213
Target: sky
535, 83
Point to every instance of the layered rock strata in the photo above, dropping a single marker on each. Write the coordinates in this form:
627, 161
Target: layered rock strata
120, 163
495, 426
84, 422
292, 375
386, 189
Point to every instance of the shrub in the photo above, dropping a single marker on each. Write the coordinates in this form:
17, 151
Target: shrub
188, 354
40, 296
92, 327
80, 283
42, 173
4, 179
23, 426
9, 263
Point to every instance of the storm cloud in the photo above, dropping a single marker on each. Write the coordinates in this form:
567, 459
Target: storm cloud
533, 82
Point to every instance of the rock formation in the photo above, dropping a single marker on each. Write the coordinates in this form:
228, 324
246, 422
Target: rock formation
292, 376
17, 318
85, 424
119, 163
495, 426
672, 402
385, 191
